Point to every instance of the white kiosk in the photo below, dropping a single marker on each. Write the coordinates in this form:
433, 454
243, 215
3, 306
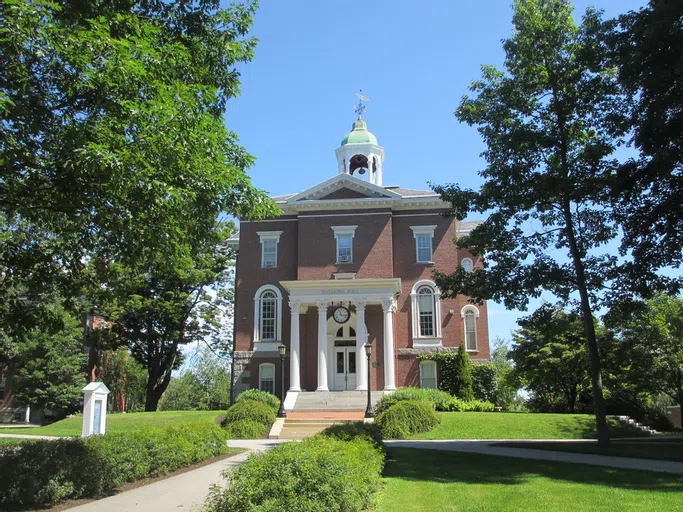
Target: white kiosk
94, 408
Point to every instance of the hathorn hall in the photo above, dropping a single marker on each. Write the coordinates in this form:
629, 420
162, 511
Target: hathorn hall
349, 261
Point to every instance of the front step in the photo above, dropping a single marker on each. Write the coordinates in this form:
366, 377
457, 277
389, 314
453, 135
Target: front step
338, 401
301, 428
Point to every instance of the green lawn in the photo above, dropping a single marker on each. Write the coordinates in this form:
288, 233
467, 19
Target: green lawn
660, 449
120, 422
429, 480
500, 425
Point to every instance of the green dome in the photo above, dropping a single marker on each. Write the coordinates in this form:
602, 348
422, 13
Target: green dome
359, 135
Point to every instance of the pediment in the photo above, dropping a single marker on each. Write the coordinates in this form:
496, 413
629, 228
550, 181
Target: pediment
343, 186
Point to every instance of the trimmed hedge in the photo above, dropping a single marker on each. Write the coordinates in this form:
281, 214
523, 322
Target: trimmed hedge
356, 430
437, 398
245, 429
319, 474
45, 472
253, 410
457, 405
407, 418
260, 396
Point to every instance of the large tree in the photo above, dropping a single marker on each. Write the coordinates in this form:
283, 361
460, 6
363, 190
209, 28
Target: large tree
647, 48
547, 120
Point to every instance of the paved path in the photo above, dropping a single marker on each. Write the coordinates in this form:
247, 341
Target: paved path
486, 448
181, 492
26, 436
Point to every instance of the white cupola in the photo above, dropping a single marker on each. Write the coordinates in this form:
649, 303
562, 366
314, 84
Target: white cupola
360, 153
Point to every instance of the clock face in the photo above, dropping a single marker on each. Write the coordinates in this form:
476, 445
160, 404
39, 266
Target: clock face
341, 315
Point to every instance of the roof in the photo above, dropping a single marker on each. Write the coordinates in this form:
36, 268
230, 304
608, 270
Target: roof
403, 192
97, 386
359, 134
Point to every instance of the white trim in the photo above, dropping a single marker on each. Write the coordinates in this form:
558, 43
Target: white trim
429, 362
260, 372
465, 309
418, 340
342, 181
462, 264
413, 215
270, 220
269, 236
419, 231
344, 214
344, 231
257, 318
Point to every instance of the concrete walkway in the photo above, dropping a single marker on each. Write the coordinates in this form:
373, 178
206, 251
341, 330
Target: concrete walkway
26, 436
181, 492
486, 448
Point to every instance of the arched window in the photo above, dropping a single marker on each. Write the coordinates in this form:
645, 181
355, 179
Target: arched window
470, 315
467, 264
428, 375
266, 377
267, 315
426, 314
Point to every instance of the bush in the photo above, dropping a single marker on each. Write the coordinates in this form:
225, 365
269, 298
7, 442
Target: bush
260, 396
45, 472
438, 399
253, 410
319, 474
457, 405
407, 418
245, 429
356, 430
484, 382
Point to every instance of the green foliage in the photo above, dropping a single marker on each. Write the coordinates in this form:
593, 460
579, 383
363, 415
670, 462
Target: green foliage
455, 372
250, 410
436, 398
507, 386
484, 382
45, 472
245, 429
260, 396
319, 474
125, 378
406, 418
356, 430
457, 405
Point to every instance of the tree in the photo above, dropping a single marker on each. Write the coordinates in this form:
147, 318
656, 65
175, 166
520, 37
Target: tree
506, 384
647, 48
548, 124
125, 378
463, 375
653, 344
49, 363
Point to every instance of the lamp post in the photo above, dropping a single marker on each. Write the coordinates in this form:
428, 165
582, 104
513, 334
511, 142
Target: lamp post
282, 349
369, 413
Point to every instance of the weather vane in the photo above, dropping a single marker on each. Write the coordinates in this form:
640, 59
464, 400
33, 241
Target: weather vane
360, 108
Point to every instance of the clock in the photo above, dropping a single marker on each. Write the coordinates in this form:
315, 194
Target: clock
341, 315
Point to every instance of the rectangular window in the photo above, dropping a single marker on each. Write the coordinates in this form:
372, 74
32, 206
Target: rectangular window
470, 331
267, 378
428, 375
424, 248
344, 249
426, 309
269, 254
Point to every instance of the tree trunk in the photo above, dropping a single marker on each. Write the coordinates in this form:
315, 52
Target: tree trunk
154, 390
589, 330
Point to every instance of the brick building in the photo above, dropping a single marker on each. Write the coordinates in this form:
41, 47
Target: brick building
349, 262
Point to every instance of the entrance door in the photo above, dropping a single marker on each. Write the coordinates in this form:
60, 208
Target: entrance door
344, 368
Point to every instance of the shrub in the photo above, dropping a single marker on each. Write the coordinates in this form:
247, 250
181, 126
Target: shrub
455, 372
407, 418
245, 429
356, 430
438, 399
260, 396
484, 382
457, 405
252, 410
45, 472
319, 474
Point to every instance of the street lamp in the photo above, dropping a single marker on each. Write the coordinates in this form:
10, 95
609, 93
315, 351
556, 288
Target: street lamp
282, 349
369, 413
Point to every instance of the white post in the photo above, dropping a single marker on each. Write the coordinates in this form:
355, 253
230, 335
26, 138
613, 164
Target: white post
27, 415
94, 409
361, 339
322, 346
389, 306
294, 340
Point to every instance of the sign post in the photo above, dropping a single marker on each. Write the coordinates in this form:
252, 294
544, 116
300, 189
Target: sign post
94, 409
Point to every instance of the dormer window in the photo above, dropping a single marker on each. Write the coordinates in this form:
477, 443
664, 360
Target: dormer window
344, 237
269, 243
423, 243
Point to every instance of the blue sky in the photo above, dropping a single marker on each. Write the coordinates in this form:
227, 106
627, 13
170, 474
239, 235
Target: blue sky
413, 59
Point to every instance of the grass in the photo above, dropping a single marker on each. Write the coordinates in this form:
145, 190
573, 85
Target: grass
130, 422
500, 425
429, 480
659, 449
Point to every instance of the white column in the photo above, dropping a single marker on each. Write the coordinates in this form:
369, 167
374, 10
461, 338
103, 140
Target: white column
389, 306
294, 368
361, 339
322, 346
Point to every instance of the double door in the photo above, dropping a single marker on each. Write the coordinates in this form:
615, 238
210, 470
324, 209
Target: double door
344, 368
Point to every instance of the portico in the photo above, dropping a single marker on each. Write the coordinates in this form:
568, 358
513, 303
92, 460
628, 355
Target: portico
354, 295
